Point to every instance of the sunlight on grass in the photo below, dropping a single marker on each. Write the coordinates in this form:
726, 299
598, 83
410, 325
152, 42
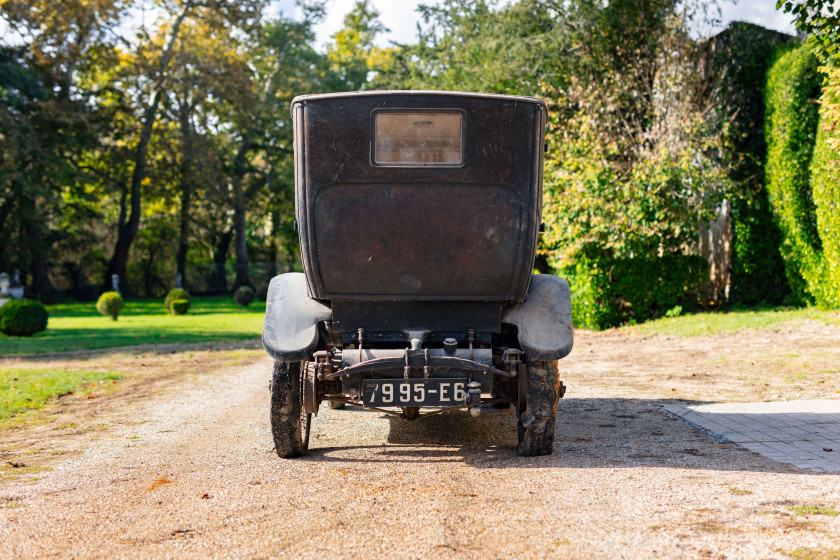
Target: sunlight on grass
81, 327
727, 322
814, 510
25, 389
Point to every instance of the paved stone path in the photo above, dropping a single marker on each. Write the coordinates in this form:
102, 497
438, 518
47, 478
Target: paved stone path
804, 433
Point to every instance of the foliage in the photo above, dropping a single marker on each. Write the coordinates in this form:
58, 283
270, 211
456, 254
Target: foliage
612, 292
738, 61
75, 326
100, 129
23, 389
244, 295
50, 296
824, 282
467, 45
634, 140
23, 317
820, 20
802, 191
179, 306
175, 293
352, 55
632, 164
110, 304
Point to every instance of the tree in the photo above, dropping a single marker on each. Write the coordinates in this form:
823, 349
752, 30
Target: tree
276, 63
352, 55
470, 45
820, 20
62, 122
156, 79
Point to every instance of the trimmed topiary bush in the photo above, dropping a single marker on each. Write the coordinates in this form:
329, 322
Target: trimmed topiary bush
176, 293
179, 306
50, 296
110, 303
23, 317
244, 295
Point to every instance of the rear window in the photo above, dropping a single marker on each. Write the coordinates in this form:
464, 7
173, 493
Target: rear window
418, 139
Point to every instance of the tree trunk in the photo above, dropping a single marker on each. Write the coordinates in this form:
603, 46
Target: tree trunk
239, 202
128, 232
218, 280
38, 265
187, 179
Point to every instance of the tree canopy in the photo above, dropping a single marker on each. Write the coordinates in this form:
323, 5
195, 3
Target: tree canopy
153, 139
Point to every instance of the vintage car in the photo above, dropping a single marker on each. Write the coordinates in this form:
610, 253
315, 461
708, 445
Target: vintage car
418, 214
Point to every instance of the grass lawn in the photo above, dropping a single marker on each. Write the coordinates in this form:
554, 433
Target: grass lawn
23, 389
80, 327
721, 322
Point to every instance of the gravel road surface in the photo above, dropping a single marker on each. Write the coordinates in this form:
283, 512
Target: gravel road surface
191, 473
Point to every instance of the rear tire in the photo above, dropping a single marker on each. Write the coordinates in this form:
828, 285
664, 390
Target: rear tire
289, 423
536, 424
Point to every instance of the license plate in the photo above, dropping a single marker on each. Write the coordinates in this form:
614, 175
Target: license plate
414, 392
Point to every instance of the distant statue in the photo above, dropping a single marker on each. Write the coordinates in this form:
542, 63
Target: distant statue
16, 288
5, 296
115, 282
179, 281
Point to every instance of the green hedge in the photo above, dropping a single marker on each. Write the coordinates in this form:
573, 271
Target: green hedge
803, 196
23, 317
611, 292
740, 58
824, 279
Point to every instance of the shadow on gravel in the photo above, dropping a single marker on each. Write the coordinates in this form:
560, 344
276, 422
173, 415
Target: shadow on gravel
590, 433
157, 349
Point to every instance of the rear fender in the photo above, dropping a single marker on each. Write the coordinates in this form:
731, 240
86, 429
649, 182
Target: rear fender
290, 331
544, 320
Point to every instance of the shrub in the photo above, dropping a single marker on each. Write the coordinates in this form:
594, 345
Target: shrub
801, 180
244, 295
50, 296
110, 303
179, 306
674, 311
23, 317
790, 127
176, 293
610, 292
743, 54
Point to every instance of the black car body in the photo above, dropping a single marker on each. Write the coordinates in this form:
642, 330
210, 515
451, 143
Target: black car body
418, 215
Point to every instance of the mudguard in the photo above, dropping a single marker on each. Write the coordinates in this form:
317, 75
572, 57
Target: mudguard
544, 319
290, 331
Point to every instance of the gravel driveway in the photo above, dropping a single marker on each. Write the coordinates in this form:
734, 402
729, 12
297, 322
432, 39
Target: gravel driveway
191, 473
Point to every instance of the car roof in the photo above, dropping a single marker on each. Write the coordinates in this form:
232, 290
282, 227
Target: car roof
366, 93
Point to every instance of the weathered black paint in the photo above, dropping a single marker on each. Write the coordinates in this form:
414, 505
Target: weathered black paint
414, 234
